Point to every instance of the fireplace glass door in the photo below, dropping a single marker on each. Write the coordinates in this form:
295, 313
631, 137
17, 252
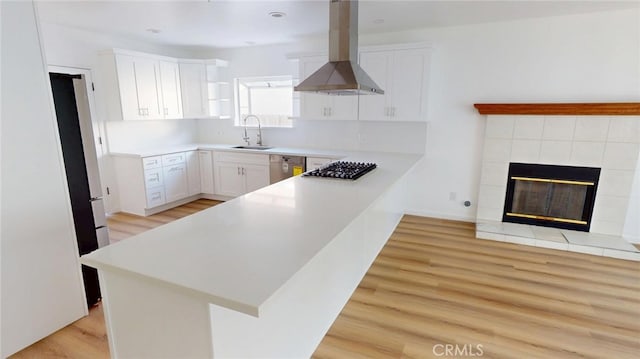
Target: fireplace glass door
554, 196
549, 199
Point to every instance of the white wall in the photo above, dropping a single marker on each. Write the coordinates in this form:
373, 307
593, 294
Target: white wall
132, 135
41, 283
631, 231
403, 137
587, 57
590, 57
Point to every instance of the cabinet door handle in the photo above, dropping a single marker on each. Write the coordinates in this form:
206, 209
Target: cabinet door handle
393, 112
243, 171
238, 170
330, 111
140, 112
166, 111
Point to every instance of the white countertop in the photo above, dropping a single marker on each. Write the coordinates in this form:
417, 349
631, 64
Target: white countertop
239, 253
148, 152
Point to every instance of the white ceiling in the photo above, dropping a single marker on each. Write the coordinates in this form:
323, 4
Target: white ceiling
232, 23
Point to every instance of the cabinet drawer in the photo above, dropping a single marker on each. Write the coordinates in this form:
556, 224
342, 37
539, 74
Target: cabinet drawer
151, 162
174, 158
153, 178
244, 158
155, 197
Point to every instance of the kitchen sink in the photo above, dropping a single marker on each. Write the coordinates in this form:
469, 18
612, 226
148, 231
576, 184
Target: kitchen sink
253, 147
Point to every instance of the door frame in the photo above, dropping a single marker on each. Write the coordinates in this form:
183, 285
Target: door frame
98, 127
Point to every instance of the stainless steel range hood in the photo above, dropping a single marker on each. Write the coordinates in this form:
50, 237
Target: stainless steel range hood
341, 75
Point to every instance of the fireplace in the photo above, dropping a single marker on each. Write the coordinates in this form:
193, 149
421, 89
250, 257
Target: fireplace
550, 195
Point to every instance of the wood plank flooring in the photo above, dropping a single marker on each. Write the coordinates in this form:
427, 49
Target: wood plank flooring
435, 285
124, 225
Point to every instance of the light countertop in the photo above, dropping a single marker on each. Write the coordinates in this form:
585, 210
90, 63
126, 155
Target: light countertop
239, 253
148, 152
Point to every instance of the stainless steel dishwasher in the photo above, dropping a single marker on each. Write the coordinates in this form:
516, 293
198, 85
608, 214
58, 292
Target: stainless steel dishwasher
282, 166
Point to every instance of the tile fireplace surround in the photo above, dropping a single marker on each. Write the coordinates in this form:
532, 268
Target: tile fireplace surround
611, 143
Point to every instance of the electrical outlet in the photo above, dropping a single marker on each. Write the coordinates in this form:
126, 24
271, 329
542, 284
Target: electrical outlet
453, 196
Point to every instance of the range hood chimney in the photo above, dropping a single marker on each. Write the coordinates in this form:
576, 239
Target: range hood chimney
341, 75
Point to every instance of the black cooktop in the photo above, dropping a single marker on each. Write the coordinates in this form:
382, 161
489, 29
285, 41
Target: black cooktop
342, 170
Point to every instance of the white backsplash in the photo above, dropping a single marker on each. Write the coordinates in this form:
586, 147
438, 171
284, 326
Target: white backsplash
399, 137
127, 136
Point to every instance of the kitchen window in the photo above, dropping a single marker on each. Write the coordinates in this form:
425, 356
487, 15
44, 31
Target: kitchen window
269, 98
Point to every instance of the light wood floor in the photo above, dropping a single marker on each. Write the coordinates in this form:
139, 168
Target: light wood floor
434, 284
124, 225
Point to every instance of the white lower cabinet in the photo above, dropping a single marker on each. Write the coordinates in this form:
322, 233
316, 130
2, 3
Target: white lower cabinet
193, 172
155, 197
205, 160
240, 173
230, 181
256, 177
150, 182
176, 184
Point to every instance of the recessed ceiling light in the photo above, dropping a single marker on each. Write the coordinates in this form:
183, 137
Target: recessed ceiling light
378, 21
277, 14
153, 31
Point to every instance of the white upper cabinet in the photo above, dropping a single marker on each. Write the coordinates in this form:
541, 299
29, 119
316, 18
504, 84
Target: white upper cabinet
170, 87
141, 86
403, 74
323, 106
138, 87
193, 82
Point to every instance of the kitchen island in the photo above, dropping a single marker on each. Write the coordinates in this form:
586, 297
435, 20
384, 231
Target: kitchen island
262, 275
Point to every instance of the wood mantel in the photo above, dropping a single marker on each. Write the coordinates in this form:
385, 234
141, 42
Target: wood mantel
601, 109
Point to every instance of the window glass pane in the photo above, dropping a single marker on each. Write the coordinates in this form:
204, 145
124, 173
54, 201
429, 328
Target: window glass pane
269, 98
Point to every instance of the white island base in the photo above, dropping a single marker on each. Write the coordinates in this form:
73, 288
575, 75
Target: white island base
150, 316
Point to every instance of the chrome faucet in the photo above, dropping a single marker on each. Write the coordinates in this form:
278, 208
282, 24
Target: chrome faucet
246, 137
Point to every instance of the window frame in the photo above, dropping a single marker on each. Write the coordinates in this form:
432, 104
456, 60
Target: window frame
240, 81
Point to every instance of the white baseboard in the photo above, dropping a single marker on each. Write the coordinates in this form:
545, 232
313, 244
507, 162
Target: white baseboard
216, 197
420, 213
164, 207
